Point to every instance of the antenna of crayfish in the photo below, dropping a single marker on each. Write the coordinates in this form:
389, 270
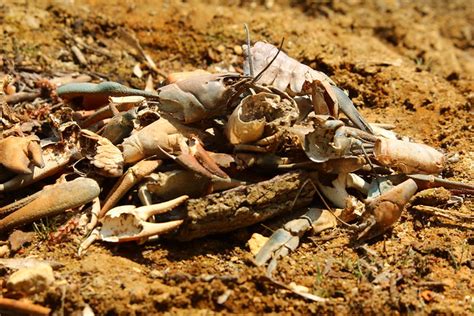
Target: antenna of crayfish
260, 74
249, 56
245, 83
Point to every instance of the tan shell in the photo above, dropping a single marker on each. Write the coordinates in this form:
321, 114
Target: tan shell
409, 157
178, 76
239, 131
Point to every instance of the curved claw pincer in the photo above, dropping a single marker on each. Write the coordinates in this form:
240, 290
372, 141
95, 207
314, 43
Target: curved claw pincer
385, 210
128, 223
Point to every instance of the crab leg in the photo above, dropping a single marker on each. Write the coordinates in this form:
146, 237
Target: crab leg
428, 181
52, 201
133, 175
286, 239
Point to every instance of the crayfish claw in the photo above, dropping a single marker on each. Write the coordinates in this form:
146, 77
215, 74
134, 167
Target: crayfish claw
16, 153
194, 157
385, 210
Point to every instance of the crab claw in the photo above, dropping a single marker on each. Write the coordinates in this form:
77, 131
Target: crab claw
133, 175
128, 223
383, 211
409, 157
54, 162
16, 153
51, 201
194, 157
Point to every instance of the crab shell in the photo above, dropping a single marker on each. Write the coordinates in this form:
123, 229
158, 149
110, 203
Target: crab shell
197, 97
104, 156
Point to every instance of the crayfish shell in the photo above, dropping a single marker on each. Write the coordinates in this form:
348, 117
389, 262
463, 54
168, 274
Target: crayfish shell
240, 131
409, 157
106, 158
260, 115
285, 72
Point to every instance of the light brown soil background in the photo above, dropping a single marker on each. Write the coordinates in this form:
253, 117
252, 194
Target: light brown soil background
407, 64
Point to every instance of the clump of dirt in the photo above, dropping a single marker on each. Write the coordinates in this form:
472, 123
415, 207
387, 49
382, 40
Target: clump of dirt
404, 63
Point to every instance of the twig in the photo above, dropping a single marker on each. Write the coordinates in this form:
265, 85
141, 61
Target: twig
21, 97
14, 307
249, 55
79, 55
431, 210
132, 41
308, 296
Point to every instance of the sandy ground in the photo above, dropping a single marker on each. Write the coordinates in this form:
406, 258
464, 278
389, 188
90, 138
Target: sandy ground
408, 64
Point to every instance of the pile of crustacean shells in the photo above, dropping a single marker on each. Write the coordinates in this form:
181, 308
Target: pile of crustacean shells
205, 153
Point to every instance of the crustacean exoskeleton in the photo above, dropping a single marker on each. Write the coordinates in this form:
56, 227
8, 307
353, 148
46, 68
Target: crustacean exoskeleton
16, 153
167, 138
285, 73
260, 122
52, 200
212, 153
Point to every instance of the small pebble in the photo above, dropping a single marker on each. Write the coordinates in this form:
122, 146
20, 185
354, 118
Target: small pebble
256, 242
19, 238
31, 280
4, 251
238, 50
157, 274
224, 297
